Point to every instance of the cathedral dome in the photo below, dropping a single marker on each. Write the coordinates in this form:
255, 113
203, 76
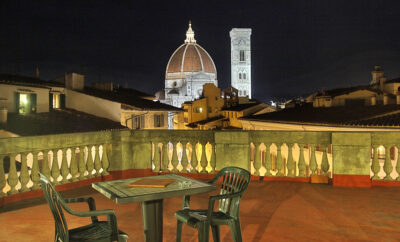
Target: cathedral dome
190, 57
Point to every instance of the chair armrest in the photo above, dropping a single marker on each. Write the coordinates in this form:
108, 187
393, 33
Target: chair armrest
90, 201
214, 198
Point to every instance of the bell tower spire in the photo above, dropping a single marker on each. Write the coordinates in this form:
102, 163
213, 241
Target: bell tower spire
190, 34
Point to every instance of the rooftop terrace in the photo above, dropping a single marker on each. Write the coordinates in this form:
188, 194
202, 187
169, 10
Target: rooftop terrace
270, 211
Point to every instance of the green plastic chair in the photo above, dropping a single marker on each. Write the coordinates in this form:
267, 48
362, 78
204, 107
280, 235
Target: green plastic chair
96, 231
234, 182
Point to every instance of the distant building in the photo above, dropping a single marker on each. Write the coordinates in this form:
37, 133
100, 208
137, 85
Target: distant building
188, 69
241, 60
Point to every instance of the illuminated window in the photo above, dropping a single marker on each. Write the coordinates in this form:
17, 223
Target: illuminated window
241, 55
23, 103
158, 120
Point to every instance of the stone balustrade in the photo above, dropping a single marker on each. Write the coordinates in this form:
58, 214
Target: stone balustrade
345, 157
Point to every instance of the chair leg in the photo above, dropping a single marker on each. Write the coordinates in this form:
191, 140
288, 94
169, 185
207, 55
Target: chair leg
203, 231
178, 231
215, 232
236, 231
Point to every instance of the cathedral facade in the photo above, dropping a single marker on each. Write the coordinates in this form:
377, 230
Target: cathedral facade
188, 69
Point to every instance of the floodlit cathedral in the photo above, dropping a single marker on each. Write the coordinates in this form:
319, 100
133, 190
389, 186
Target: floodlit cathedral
190, 67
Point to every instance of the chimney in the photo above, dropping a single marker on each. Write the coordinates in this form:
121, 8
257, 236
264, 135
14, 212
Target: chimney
373, 100
37, 72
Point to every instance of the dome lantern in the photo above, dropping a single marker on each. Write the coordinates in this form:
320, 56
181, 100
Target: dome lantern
190, 34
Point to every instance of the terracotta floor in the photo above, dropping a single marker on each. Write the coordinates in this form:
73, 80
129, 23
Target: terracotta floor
270, 211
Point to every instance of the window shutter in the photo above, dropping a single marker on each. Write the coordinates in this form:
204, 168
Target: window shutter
62, 101
17, 102
32, 104
162, 120
142, 121
50, 101
155, 121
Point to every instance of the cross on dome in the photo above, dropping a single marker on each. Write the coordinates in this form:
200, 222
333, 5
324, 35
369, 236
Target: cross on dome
190, 34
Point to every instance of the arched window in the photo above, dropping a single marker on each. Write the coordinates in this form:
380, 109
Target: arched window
240, 75
244, 75
241, 55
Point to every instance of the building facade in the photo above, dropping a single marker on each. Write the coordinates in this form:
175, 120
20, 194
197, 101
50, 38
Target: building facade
241, 61
188, 69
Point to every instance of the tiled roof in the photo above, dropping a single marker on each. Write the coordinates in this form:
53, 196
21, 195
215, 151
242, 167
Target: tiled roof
347, 90
27, 81
128, 97
206, 121
387, 115
57, 122
241, 107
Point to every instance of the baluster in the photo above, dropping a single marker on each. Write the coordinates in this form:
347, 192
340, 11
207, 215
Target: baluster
97, 164
203, 161
104, 160
290, 162
193, 160
184, 160
257, 159
24, 173
324, 162
45, 164
302, 163
73, 165
55, 170
156, 160
375, 163
12, 176
89, 162
279, 161
397, 163
313, 161
268, 161
165, 160
64, 166
81, 164
387, 166
35, 171
2, 176
175, 160
213, 160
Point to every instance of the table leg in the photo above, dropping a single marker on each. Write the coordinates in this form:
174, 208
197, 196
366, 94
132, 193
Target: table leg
152, 213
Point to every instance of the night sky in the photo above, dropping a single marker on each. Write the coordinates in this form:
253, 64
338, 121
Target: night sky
298, 46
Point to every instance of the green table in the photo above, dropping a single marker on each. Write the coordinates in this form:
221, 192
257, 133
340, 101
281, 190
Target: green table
150, 198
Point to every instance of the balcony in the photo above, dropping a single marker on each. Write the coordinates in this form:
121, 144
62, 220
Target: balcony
280, 203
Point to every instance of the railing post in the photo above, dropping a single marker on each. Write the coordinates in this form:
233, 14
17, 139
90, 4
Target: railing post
313, 161
184, 160
175, 160
193, 160
324, 162
375, 163
24, 174
279, 160
2, 176
55, 170
45, 164
203, 161
104, 160
156, 159
81, 164
387, 166
301, 163
35, 171
268, 161
97, 164
89, 162
73, 166
64, 166
290, 164
165, 160
257, 159
213, 161
12, 176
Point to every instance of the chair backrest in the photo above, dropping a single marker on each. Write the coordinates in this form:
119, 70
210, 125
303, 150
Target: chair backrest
234, 179
56, 202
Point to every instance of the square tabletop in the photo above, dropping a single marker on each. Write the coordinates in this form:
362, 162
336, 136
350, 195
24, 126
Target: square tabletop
119, 190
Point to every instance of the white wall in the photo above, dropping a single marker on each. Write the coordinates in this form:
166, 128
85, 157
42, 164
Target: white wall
8, 91
93, 105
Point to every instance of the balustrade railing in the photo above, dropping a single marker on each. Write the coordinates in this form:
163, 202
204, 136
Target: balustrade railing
63, 158
385, 157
